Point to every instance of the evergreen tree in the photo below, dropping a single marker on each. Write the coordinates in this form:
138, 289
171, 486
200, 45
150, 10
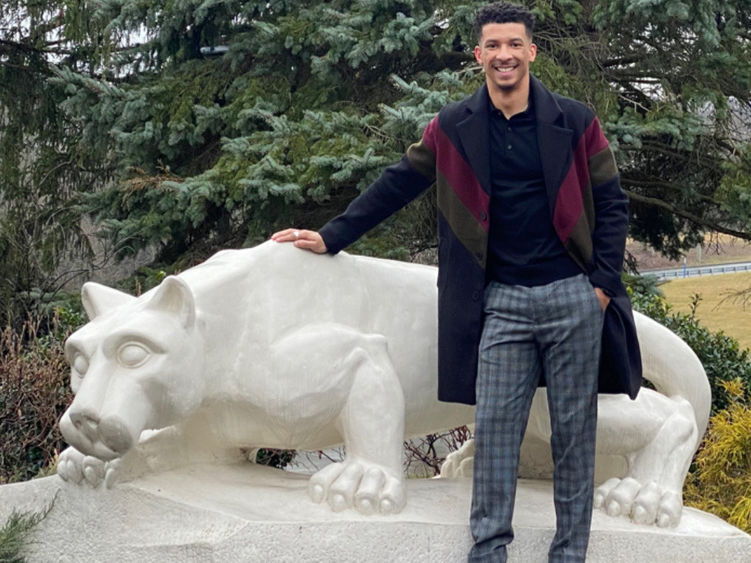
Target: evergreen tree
43, 162
303, 110
680, 85
222, 120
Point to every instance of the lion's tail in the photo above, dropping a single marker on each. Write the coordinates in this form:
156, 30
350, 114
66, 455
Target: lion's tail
673, 368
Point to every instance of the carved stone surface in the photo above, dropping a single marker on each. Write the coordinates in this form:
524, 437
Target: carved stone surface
245, 512
277, 347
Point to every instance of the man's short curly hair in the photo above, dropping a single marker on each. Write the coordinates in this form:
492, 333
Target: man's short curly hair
503, 12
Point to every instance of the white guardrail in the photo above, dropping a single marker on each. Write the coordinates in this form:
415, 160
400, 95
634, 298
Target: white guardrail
685, 272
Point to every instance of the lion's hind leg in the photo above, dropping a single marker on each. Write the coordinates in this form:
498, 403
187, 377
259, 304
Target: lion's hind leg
650, 493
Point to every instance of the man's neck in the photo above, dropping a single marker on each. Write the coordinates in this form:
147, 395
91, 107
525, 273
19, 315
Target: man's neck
510, 102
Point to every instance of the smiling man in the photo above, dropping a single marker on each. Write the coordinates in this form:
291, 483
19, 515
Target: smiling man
532, 228
505, 51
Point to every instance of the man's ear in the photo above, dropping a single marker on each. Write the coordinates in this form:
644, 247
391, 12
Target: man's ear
478, 54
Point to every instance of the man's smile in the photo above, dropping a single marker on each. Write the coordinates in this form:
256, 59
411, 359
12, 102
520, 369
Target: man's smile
505, 68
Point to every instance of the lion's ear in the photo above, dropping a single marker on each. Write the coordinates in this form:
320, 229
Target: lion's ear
173, 296
98, 299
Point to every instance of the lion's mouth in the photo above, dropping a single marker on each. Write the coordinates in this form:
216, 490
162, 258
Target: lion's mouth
105, 439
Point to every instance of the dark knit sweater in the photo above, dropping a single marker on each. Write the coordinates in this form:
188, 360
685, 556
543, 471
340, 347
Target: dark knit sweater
523, 247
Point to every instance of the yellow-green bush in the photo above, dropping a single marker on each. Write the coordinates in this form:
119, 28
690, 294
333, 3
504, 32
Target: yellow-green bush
721, 480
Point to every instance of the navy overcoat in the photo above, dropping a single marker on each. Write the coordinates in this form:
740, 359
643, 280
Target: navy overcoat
588, 208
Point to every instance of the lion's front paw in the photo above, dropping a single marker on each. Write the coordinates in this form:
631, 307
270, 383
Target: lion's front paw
79, 469
368, 487
643, 503
460, 463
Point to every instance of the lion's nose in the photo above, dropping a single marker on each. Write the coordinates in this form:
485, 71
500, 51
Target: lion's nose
86, 422
115, 434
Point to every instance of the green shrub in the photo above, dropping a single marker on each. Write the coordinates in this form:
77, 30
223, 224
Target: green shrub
14, 533
721, 355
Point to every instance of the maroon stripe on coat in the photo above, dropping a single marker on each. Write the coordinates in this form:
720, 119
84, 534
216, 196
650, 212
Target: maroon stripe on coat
595, 138
459, 174
569, 204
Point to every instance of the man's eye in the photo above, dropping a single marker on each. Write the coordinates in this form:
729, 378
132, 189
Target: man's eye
132, 355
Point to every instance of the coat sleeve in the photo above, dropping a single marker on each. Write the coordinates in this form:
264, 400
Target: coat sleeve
611, 213
396, 187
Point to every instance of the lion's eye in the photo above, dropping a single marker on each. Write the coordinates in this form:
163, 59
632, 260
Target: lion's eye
80, 365
132, 355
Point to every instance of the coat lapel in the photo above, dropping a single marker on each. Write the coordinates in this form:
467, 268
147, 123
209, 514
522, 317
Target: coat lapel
474, 136
553, 140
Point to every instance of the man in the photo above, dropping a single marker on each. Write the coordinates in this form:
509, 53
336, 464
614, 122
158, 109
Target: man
532, 227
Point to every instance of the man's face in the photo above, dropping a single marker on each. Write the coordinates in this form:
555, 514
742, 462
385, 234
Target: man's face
505, 52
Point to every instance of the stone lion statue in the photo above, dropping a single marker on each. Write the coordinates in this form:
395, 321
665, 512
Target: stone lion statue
280, 348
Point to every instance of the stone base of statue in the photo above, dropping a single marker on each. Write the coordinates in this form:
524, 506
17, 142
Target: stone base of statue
253, 513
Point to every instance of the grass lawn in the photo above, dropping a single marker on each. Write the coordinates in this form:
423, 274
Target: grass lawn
717, 310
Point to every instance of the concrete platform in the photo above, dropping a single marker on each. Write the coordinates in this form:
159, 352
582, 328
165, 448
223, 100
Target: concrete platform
252, 513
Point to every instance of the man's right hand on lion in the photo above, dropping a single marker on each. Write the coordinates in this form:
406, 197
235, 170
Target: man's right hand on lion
309, 240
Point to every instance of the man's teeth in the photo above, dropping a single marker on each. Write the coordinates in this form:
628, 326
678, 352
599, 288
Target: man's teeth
504, 68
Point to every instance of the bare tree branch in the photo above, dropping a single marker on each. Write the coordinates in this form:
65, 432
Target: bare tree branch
709, 225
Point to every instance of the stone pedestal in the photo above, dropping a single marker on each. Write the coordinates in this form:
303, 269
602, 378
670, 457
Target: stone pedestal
252, 513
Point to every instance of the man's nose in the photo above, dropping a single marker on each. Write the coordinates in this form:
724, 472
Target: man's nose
503, 52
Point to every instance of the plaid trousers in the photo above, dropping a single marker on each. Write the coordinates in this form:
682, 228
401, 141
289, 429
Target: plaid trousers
555, 330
